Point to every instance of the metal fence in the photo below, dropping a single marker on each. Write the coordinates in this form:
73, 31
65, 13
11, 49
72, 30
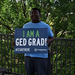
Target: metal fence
7, 57
62, 56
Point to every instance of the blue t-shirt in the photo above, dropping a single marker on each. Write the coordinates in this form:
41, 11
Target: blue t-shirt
41, 24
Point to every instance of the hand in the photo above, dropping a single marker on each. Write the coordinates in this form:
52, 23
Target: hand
50, 40
13, 43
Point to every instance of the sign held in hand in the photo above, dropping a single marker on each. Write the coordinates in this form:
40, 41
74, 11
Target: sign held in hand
31, 40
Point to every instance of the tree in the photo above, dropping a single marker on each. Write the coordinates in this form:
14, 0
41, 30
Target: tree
63, 18
58, 14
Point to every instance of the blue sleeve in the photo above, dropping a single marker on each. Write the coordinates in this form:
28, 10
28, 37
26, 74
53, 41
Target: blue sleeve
50, 33
23, 26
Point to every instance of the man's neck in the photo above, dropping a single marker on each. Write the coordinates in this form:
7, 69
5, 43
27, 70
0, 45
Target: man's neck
36, 21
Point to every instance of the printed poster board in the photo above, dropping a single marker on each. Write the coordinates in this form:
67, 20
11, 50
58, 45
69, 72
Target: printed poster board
31, 40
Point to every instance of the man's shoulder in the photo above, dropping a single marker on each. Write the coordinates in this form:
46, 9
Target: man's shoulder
45, 24
26, 24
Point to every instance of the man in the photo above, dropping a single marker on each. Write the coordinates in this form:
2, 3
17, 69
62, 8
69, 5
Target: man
37, 62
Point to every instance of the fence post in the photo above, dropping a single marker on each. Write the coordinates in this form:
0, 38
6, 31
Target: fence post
49, 63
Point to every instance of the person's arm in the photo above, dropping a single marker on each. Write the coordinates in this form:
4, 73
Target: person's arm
50, 40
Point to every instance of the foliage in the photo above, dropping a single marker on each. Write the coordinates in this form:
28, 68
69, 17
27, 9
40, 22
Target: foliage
58, 14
